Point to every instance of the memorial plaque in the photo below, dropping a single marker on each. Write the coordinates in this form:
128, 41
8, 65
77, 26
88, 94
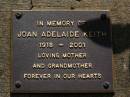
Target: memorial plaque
61, 52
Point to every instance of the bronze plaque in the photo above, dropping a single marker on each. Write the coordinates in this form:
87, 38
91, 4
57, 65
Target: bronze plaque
61, 52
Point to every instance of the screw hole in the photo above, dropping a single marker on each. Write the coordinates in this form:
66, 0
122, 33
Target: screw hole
106, 85
18, 15
18, 84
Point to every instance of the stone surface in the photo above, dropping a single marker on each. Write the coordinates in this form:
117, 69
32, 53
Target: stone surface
120, 16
